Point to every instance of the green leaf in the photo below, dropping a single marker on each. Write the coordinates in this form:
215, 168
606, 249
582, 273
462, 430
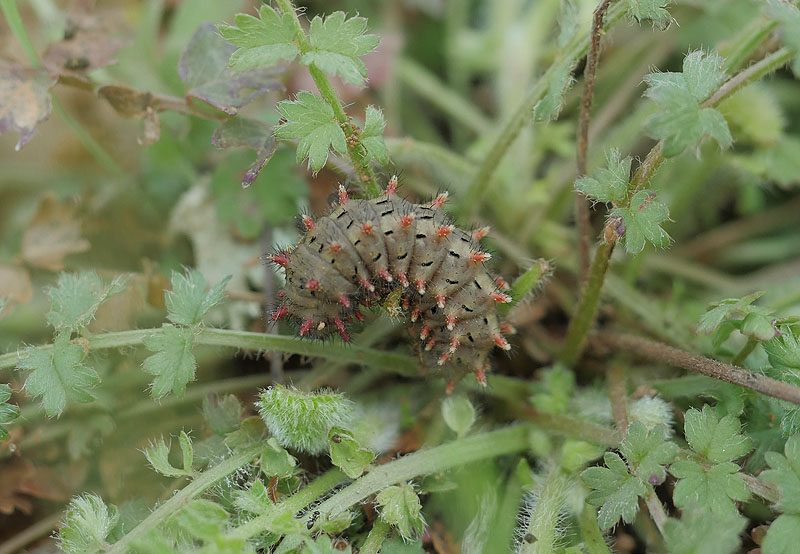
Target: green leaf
86, 525
714, 489
650, 10
310, 121
759, 326
276, 460
784, 473
555, 390
372, 136
718, 440
76, 298
202, 519
188, 301
551, 103
255, 499
647, 453
347, 454
788, 16
533, 278
301, 420
173, 363
783, 535
224, 415
700, 532
8, 412
263, 41
614, 490
643, 218
157, 454
724, 310
681, 121
337, 44
611, 182
400, 507
783, 353
458, 413
58, 375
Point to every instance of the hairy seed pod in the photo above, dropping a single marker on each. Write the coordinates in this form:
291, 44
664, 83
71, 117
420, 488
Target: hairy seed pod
407, 256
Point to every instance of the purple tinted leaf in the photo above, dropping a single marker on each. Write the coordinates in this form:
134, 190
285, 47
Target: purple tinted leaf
247, 133
203, 68
24, 100
90, 41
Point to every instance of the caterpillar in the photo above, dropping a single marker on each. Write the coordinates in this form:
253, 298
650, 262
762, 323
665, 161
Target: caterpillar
388, 250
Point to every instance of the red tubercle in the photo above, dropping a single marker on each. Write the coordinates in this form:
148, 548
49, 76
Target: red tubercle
429, 345
403, 278
308, 223
440, 199
342, 330
406, 220
450, 321
501, 283
335, 247
365, 284
451, 386
444, 231
391, 186
455, 342
358, 315
480, 376
367, 228
306, 326
440, 298
500, 297
481, 233
424, 332
385, 275
280, 313
501, 342
479, 257
312, 285
443, 358
281, 294
420, 285
415, 315
279, 258
343, 196
344, 301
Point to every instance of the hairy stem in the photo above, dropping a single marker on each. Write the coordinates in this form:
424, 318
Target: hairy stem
378, 534
199, 485
664, 353
656, 509
618, 395
586, 311
589, 78
593, 539
405, 365
355, 149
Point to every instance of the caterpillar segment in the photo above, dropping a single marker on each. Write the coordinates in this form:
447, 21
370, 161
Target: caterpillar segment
387, 250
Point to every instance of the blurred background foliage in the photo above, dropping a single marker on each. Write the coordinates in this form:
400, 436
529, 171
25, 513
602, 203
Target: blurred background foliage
131, 179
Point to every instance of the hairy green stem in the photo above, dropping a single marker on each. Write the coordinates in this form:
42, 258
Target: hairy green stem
402, 364
586, 311
378, 534
292, 504
355, 149
576, 49
200, 484
426, 462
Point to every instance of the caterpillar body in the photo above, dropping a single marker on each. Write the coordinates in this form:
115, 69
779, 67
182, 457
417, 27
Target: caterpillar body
367, 251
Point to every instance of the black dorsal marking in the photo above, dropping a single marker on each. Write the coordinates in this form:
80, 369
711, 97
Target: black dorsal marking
378, 257
387, 212
402, 256
350, 224
341, 215
426, 264
451, 282
389, 232
477, 284
356, 243
382, 202
466, 308
422, 236
454, 254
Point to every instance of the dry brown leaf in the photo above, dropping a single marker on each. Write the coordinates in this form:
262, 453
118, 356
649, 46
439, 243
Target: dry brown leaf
15, 284
90, 41
120, 311
127, 101
20, 481
53, 234
24, 99
151, 130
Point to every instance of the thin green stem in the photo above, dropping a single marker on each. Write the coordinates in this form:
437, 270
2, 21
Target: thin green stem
378, 534
200, 484
402, 364
576, 49
292, 504
747, 43
355, 148
425, 462
585, 314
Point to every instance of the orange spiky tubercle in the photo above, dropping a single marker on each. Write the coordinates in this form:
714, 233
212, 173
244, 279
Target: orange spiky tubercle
366, 250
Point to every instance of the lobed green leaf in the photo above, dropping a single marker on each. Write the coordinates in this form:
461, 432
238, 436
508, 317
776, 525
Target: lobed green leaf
611, 182
188, 301
87, 524
263, 41
717, 439
76, 298
400, 507
642, 221
337, 44
173, 363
